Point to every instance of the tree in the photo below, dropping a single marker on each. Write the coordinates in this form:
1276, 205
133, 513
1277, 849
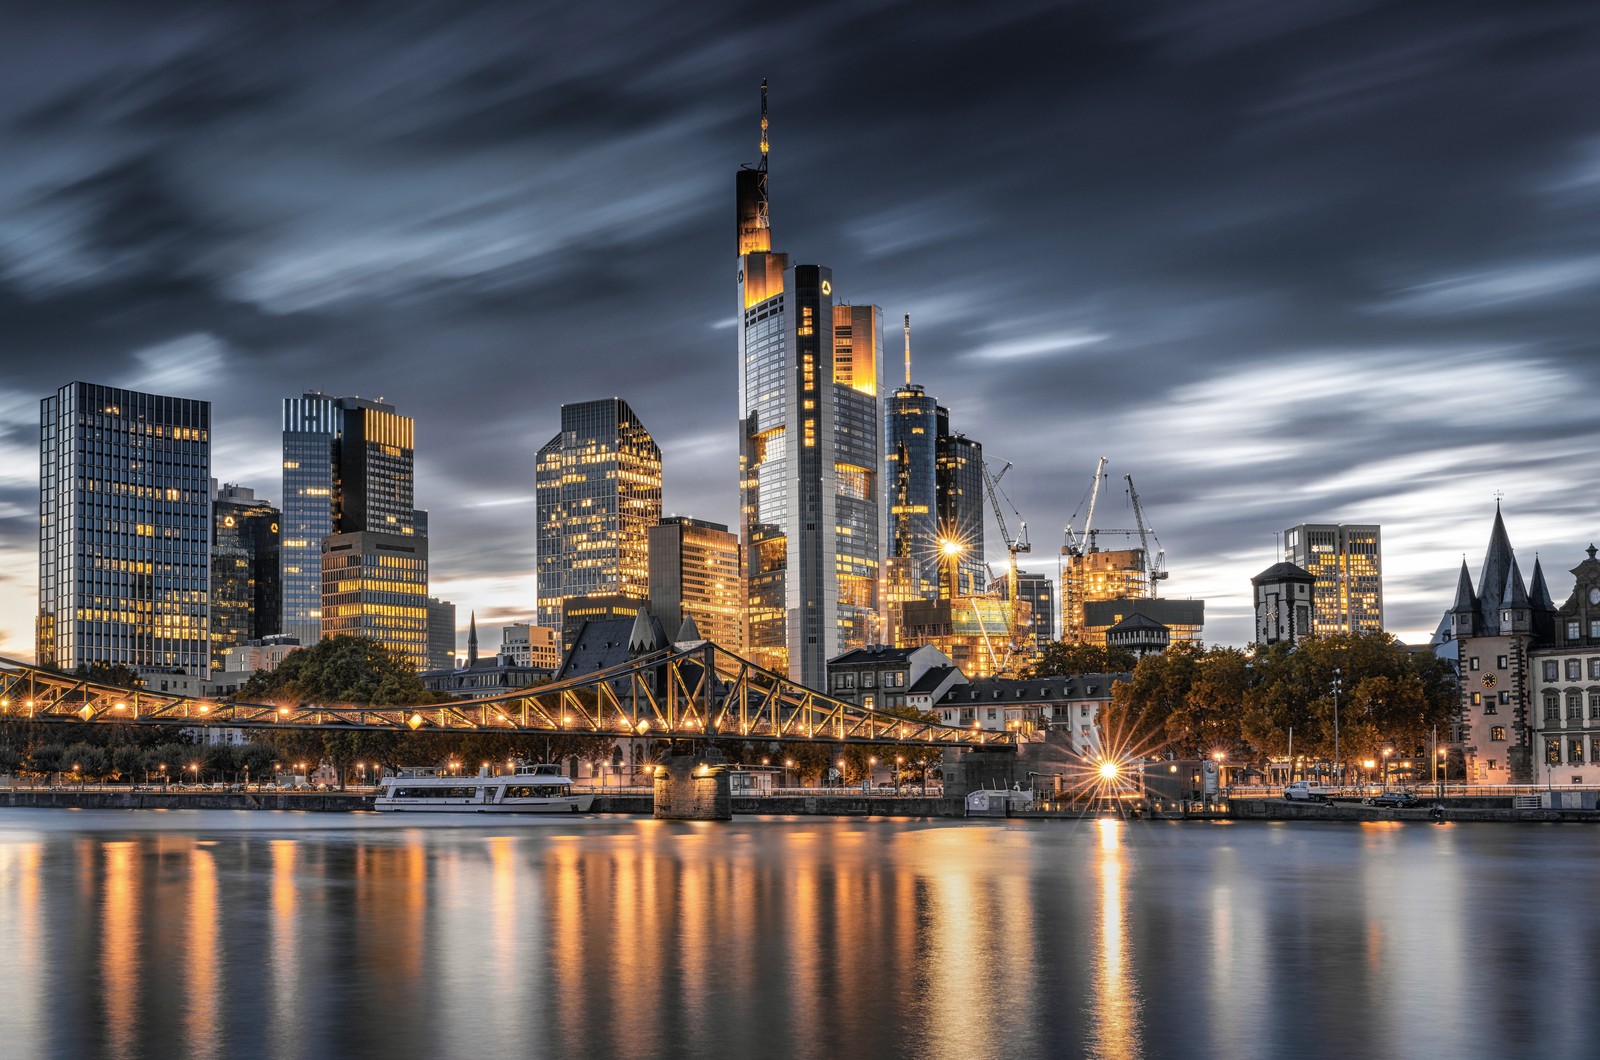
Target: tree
115, 674
1070, 658
1136, 721
341, 670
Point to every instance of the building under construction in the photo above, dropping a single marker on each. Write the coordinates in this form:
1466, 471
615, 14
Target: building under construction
974, 631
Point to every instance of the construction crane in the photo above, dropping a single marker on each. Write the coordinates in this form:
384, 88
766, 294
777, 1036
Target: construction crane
1014, 545
1076, 544
1155, 564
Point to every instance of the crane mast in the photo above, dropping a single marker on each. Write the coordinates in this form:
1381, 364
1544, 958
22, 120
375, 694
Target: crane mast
1014, 545
1152, 563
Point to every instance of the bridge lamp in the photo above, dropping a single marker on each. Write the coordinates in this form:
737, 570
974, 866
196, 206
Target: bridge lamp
283, 712
120, 706
86, 713
204, 709
1108, 770
415, 721
643, 726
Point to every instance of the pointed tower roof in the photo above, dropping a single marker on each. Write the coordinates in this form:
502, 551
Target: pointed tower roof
1493, 580
1516, 593
643, 637
688, 631
1466, 599
472, 638
1538, 592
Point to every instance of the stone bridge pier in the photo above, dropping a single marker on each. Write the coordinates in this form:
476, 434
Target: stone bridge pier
694, 787
978, 769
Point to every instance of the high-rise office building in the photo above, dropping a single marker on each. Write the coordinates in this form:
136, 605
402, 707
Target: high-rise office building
347, 468
441, 634
694, 572
124, 530
246, 601
1347, 562
1038, 627
810, 454
598, 493
961, 502
375, 585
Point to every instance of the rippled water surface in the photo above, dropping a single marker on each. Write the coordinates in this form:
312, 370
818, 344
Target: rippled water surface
222, 934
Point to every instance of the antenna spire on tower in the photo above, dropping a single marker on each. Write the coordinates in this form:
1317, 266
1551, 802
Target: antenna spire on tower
908, 349
763, 125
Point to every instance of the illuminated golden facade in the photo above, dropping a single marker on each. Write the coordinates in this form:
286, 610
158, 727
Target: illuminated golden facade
124, 530
972, 630
1347, 562
694, 572
375, 585
598, 495
1095, 577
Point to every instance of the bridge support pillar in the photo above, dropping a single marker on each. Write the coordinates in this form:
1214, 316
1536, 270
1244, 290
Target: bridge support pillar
694, 787
975, 770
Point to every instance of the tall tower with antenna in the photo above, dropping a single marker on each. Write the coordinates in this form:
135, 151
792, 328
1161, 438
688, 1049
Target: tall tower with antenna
810, 449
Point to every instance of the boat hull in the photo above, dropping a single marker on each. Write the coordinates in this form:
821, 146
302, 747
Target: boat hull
567, 804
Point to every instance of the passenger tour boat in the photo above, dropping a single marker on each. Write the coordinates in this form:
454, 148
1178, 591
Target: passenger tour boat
528, 789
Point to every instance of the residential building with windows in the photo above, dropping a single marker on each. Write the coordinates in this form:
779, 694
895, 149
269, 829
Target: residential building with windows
124, 530
879, 677
1069, 706
246, 600
1564, 687
810, 451
598, 494
694, 571
1185, 619
348, 467
1347, 562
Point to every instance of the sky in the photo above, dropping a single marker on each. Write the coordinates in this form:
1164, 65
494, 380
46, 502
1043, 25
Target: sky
1330, 260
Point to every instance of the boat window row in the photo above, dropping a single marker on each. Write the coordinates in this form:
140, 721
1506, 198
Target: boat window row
535, 791
435, 793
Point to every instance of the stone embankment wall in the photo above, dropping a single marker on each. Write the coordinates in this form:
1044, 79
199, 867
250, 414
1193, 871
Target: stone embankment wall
184, 800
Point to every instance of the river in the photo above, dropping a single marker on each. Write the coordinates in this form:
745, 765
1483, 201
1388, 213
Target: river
245, 934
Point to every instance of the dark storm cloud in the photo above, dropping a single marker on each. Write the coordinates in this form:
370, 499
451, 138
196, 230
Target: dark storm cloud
1280, 261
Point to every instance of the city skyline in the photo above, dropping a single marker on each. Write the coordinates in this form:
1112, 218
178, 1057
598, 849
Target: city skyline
1346, 305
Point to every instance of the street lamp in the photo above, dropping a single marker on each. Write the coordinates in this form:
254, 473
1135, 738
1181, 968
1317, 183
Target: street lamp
1338, 764
163, 768
1387, 751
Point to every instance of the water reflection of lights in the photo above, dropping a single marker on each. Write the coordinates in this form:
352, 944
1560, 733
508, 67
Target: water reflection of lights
1115, 1030
119, 915
200, 969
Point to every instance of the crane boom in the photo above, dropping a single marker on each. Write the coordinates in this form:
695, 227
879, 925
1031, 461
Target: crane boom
1094, 496
1152, 563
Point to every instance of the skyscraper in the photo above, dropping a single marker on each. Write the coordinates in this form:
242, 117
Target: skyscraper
375, 585
124, 530
911, 426
598, 493
441, 634
694, 572
246, 601
810, 455
1347, 562
961, 501
347, 468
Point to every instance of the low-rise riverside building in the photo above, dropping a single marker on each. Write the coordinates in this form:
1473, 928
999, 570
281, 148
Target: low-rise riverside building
1564, 687
1073, 704
879, 677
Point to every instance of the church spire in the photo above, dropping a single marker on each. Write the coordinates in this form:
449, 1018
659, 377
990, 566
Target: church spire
472, 639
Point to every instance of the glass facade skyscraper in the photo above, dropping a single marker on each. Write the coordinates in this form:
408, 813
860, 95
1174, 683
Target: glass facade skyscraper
124, 530
347, 467
598, 494
694, 572
246, 601
375, 585
810, 452
961, 502
912, 426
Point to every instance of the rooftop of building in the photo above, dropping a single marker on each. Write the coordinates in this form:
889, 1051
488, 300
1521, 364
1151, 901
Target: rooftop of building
929, 682
1284, 571
1033, 689
873, 654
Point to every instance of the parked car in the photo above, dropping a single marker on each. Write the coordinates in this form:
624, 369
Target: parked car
1306, 791
1397, 799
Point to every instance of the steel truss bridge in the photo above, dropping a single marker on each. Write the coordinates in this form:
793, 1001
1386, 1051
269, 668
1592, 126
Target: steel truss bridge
698, 691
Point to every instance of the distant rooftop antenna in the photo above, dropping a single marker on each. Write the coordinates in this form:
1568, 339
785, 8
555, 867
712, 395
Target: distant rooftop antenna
908, 349
763, 125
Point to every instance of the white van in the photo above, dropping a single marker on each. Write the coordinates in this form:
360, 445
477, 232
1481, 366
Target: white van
1306, 791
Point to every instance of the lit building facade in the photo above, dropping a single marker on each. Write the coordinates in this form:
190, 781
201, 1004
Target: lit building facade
246, 601
1100, 576
971, 630
1564, 685
528, 645
1347, 562
598, 494
1037, 625
694, 571
375, 585
124, 530
912, 429
810, 451
348, 466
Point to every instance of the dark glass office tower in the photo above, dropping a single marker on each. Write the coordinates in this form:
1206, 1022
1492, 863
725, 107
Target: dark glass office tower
913, 431
246, 599
124, 530
598, 494
961, 502
347, 468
